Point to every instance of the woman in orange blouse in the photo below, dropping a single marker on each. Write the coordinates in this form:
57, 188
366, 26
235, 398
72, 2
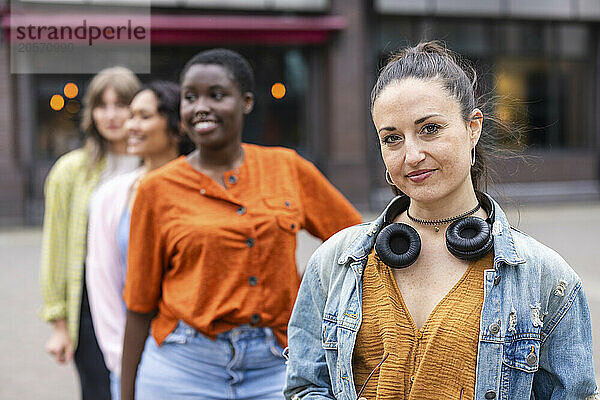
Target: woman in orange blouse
212, 249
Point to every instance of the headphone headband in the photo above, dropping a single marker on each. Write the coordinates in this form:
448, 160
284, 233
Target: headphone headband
487, 205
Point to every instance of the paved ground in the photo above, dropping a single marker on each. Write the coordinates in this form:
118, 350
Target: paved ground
26, 372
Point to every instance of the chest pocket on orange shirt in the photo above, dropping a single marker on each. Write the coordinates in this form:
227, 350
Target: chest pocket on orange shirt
286, 212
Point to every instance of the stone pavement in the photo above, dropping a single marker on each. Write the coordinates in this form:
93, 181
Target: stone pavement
26, 372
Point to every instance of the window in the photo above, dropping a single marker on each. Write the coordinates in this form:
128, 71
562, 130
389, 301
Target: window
542, 72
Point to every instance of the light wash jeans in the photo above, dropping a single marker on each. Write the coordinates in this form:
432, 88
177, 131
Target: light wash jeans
243, 363
115, 386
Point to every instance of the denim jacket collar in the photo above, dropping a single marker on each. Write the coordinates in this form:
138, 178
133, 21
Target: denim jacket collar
505, 252
360, 248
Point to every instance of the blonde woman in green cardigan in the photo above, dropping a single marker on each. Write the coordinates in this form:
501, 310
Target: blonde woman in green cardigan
68, 188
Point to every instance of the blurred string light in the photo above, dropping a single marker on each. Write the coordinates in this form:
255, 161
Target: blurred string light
71, 90
73, 106
278, 90
57, 102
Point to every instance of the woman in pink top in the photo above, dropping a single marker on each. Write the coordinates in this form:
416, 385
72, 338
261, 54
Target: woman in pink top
153, 129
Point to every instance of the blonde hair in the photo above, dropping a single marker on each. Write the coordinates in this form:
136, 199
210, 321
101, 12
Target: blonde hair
125, 84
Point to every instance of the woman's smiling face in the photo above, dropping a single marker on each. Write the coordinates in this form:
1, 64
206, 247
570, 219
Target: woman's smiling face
147, 128
212, 106
425, 142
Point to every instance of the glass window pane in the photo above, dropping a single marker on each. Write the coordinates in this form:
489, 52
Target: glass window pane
539, 70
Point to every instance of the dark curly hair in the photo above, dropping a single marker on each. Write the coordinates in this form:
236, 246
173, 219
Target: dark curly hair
239, 68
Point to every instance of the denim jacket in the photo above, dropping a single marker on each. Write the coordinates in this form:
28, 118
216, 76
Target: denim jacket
535, 339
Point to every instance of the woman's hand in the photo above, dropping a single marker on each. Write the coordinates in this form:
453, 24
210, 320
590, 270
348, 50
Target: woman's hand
136, 331
59, 345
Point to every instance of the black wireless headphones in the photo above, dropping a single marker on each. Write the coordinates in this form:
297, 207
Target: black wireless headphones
398, 245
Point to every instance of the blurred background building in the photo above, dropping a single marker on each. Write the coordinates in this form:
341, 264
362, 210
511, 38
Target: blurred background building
540, 57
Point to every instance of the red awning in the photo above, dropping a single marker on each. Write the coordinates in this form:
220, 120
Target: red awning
195, 29
245, 29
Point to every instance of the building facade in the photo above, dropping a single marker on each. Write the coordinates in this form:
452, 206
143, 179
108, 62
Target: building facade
540, 59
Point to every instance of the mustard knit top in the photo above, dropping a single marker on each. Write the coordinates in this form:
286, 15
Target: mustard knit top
436, 362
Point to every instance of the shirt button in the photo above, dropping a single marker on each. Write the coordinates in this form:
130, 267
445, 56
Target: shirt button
249, 242
419, 335
490, 394
293, 226
253, 281
497, 280
288, 204
241, 210
202, 191
494, 329
232, 179
254, 319
531, 360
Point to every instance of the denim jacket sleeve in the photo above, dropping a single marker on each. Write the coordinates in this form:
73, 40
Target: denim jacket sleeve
307, 372
566, 366
566, 370
313, 371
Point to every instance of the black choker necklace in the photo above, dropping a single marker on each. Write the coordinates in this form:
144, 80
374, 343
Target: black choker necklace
436, 222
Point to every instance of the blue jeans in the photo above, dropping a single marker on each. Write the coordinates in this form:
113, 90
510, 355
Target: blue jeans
115, 386
243, 363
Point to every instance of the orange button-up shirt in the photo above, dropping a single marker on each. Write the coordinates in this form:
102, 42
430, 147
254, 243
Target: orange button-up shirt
219, 257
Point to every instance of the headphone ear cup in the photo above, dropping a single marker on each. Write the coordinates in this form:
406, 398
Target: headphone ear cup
469, 238
398, 245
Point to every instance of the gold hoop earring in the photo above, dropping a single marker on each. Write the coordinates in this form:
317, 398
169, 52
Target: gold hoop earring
473, 156
388, 178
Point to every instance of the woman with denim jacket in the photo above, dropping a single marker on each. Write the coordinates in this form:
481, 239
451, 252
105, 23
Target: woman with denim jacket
439, 297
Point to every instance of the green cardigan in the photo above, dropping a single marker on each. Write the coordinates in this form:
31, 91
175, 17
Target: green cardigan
69, 186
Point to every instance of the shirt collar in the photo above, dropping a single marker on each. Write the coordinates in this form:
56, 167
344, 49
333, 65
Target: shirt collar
364, 242
505, 251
